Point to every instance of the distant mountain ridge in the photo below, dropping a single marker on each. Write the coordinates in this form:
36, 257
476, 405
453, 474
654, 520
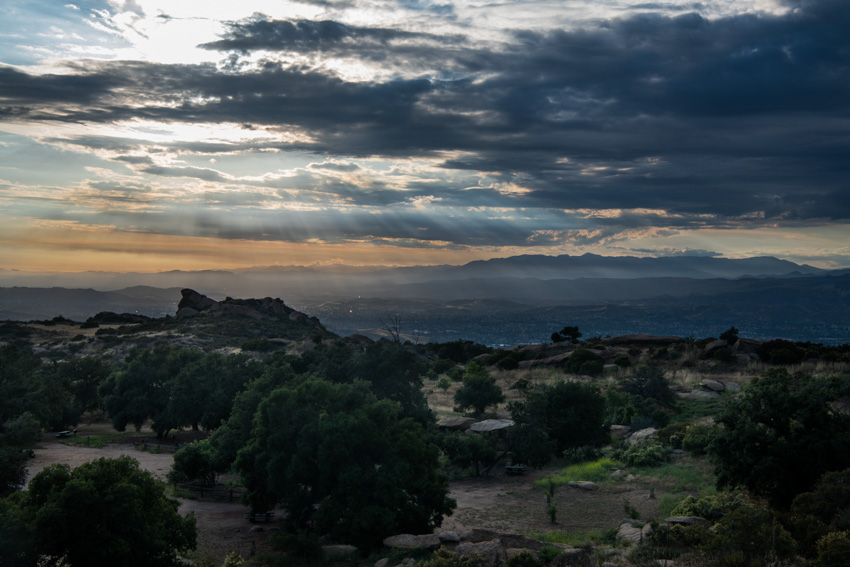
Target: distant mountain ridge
342, 280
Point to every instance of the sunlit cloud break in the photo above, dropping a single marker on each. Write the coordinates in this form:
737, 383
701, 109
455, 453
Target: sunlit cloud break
719, 128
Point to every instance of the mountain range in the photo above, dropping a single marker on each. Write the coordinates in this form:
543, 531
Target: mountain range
500, 301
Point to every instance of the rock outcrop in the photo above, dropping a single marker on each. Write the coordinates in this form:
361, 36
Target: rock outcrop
194, 304
491, 547
642, 340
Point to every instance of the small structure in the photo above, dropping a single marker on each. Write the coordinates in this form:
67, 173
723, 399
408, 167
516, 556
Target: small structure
491, 425
260, 516
515, 470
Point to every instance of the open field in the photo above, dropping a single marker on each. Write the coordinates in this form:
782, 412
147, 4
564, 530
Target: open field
499, 502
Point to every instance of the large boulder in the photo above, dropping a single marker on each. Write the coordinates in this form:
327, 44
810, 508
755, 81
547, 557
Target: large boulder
456, 423
194, 300
573, 557
409, 541
584, 485
620, 431
714, 345
698, 395
491, 553
491, 425
550, 361
642, 340
687, 521
639, 436
713, 385
338, 552
630, 531
749, 346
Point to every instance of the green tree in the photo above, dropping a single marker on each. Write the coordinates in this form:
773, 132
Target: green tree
730, 335
196, 463
103, 513
781, 436
478, 391
648, 382
202, 393
27, 385
82, 376
569, 413
347, 461
141, 390
471, 450
825, 509
13, 469
569, 333
395, 373
235, 432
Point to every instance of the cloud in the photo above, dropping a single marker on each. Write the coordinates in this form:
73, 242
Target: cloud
670, 252
261, 33
716, 122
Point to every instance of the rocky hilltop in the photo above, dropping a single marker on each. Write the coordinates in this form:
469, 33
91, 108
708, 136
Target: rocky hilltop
195, 304
253, 325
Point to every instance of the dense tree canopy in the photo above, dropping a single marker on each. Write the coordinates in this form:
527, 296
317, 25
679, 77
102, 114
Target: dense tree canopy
28, 385
104, 513
781, 436
346, 460
175, 387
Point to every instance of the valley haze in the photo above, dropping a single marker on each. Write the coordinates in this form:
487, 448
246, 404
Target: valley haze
504, 301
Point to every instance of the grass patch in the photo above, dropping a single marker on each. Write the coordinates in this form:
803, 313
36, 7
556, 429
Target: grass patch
93, 441
578, 538
689, 475
667, 502
693, 409
593, 471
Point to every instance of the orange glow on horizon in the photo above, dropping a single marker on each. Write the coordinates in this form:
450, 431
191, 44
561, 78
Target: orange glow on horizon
63, 249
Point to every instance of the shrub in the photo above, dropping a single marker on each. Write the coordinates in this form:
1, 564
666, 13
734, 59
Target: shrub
623, 361
834, 550
648, 452
711, 507
508, 363
698, 437
780, 351
455, 374
730, 335
594, 471
524, 559
443, 365
584, 361
673, 434
548, 553
258, 345
446, 558
581, 454
750, 535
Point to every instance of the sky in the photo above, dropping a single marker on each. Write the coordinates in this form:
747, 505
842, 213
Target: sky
152, 135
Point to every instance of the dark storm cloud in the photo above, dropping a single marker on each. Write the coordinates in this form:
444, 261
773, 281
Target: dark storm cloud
201, 173
732, 118
343, 167
260, 33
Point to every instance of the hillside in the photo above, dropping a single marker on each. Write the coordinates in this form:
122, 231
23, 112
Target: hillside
197, 321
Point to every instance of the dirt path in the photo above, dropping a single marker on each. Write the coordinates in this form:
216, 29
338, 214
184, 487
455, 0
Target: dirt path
513, 504
61, 451
500, 502
222, 527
